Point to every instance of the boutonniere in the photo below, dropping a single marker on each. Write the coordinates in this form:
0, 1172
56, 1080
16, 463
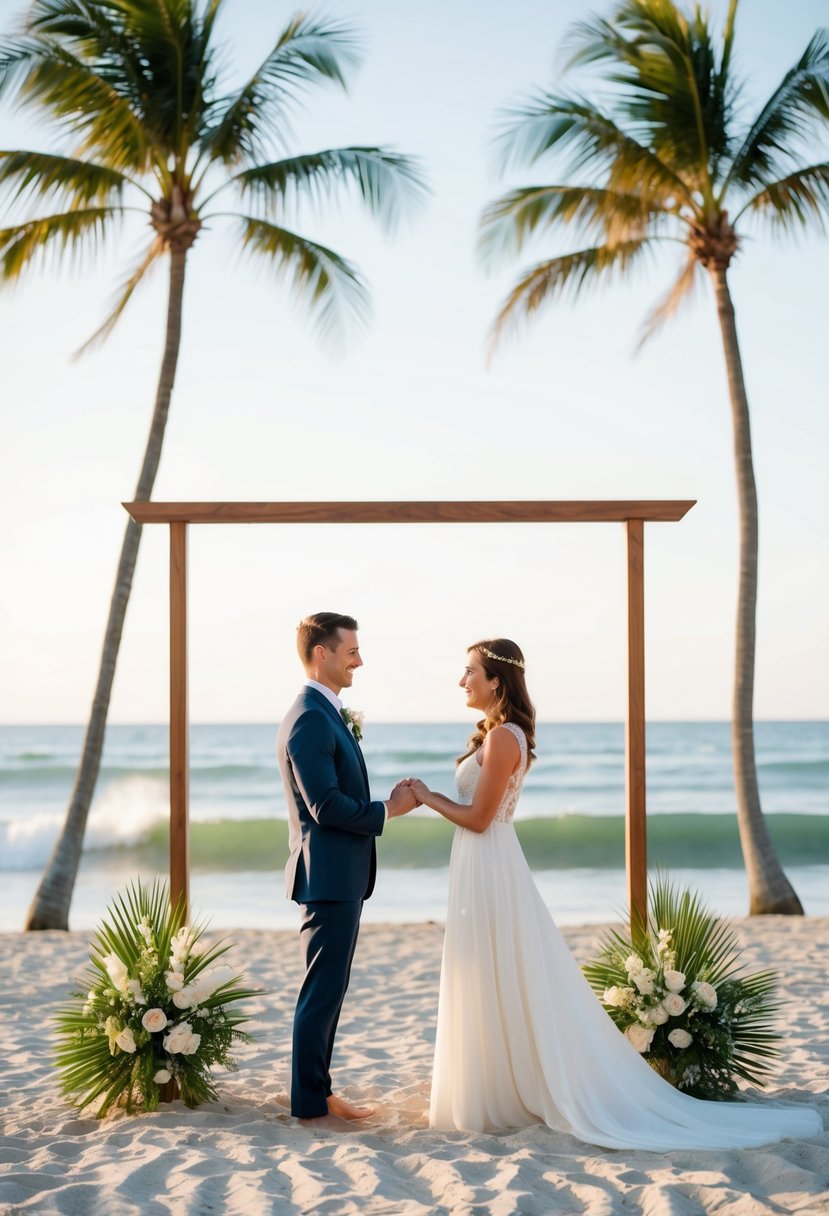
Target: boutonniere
354, 719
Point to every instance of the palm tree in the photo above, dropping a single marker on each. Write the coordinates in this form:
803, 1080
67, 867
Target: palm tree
668, 160
133, 89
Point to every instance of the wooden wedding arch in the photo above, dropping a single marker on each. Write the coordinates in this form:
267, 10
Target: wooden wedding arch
633, 514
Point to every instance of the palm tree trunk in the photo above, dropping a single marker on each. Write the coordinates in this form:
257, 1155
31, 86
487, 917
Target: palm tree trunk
50, 906
769, 889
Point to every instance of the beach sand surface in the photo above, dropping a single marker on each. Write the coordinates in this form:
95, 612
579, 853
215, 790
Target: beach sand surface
246, 1155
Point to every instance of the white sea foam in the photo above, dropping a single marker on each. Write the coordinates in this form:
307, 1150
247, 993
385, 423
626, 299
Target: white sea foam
124, 814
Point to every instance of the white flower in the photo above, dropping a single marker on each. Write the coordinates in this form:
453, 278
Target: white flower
162, 1076
617, 997
144, 929
184, 998
639, 1037
657, 1016
674, 981
633, 963
680, 1038
643, 980
207, 982
133, 989
182, 1040
706, 994
154, 1020
174, 980
674, 1004
117, 972
126, 1040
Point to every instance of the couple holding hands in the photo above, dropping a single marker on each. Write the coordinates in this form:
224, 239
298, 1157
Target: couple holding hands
521, 1037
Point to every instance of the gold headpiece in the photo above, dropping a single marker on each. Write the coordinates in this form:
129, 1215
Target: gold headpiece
502, 658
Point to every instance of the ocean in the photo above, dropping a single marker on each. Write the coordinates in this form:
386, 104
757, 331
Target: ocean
570, 818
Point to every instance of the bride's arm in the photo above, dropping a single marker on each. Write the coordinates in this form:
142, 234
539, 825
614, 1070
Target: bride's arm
500, 755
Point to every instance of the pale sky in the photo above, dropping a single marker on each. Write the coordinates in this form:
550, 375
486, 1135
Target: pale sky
409, 410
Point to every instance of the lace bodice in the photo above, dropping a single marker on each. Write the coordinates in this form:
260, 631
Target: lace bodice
469, 770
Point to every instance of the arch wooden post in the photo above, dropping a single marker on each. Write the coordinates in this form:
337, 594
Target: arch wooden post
632, 513
179, 723
636, 848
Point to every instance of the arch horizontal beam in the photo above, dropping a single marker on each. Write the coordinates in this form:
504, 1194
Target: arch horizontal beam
541, 512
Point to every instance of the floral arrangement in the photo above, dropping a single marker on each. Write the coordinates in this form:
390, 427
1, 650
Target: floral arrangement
157, 1014
354, 719
675, 988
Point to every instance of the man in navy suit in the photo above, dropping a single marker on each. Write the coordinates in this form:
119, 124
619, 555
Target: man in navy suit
333, 822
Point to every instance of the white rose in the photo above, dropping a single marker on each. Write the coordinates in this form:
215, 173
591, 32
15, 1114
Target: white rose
639, 1037
162, 1076
674, 981
706, 994
117, 972
184, 998
154, 1020
644, 981
616, 996
126, 1040
187, 1044
174, 980
680, 1038
674, 1004
657, 1016
178, 1040
633, 963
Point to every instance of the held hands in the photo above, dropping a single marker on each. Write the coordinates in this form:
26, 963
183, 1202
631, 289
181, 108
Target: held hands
402, 800
406, 795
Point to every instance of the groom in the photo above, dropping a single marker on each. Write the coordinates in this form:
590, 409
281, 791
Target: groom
332, 826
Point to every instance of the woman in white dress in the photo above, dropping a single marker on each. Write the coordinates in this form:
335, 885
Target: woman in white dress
521, 1037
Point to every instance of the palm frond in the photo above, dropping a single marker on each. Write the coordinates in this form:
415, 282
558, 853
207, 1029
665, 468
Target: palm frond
386, 181
789, 115
678, 293
793, 203
549, 280
123, 297
325, 283
595, 142
673, 91
308, 52
78, 231
508, 223
84, 102
74, 182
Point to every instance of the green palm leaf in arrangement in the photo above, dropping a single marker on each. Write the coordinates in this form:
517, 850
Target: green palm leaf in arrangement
157, 1009
677, 990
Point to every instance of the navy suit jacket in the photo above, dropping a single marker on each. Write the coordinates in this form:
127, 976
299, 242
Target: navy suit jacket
332, 819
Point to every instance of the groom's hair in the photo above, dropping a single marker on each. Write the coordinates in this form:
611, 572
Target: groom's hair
321, 629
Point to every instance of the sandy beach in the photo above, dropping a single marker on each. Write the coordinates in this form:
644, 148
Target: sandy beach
246, 1154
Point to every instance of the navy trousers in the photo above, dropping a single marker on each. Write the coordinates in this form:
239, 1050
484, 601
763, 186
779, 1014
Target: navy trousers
328, 936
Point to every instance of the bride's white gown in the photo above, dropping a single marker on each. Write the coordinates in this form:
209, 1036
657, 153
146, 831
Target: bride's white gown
521, 1037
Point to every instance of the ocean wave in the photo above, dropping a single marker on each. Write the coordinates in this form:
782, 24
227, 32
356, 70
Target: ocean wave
120, 830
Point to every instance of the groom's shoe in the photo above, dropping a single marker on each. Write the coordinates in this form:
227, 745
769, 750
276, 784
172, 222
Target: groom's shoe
345, 1110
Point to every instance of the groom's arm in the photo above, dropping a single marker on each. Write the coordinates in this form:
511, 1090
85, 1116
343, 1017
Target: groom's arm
311, 749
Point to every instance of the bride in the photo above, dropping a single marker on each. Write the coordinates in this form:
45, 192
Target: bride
521, 1037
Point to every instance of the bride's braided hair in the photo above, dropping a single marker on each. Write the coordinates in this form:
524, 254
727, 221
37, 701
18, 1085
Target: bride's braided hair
501, 659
